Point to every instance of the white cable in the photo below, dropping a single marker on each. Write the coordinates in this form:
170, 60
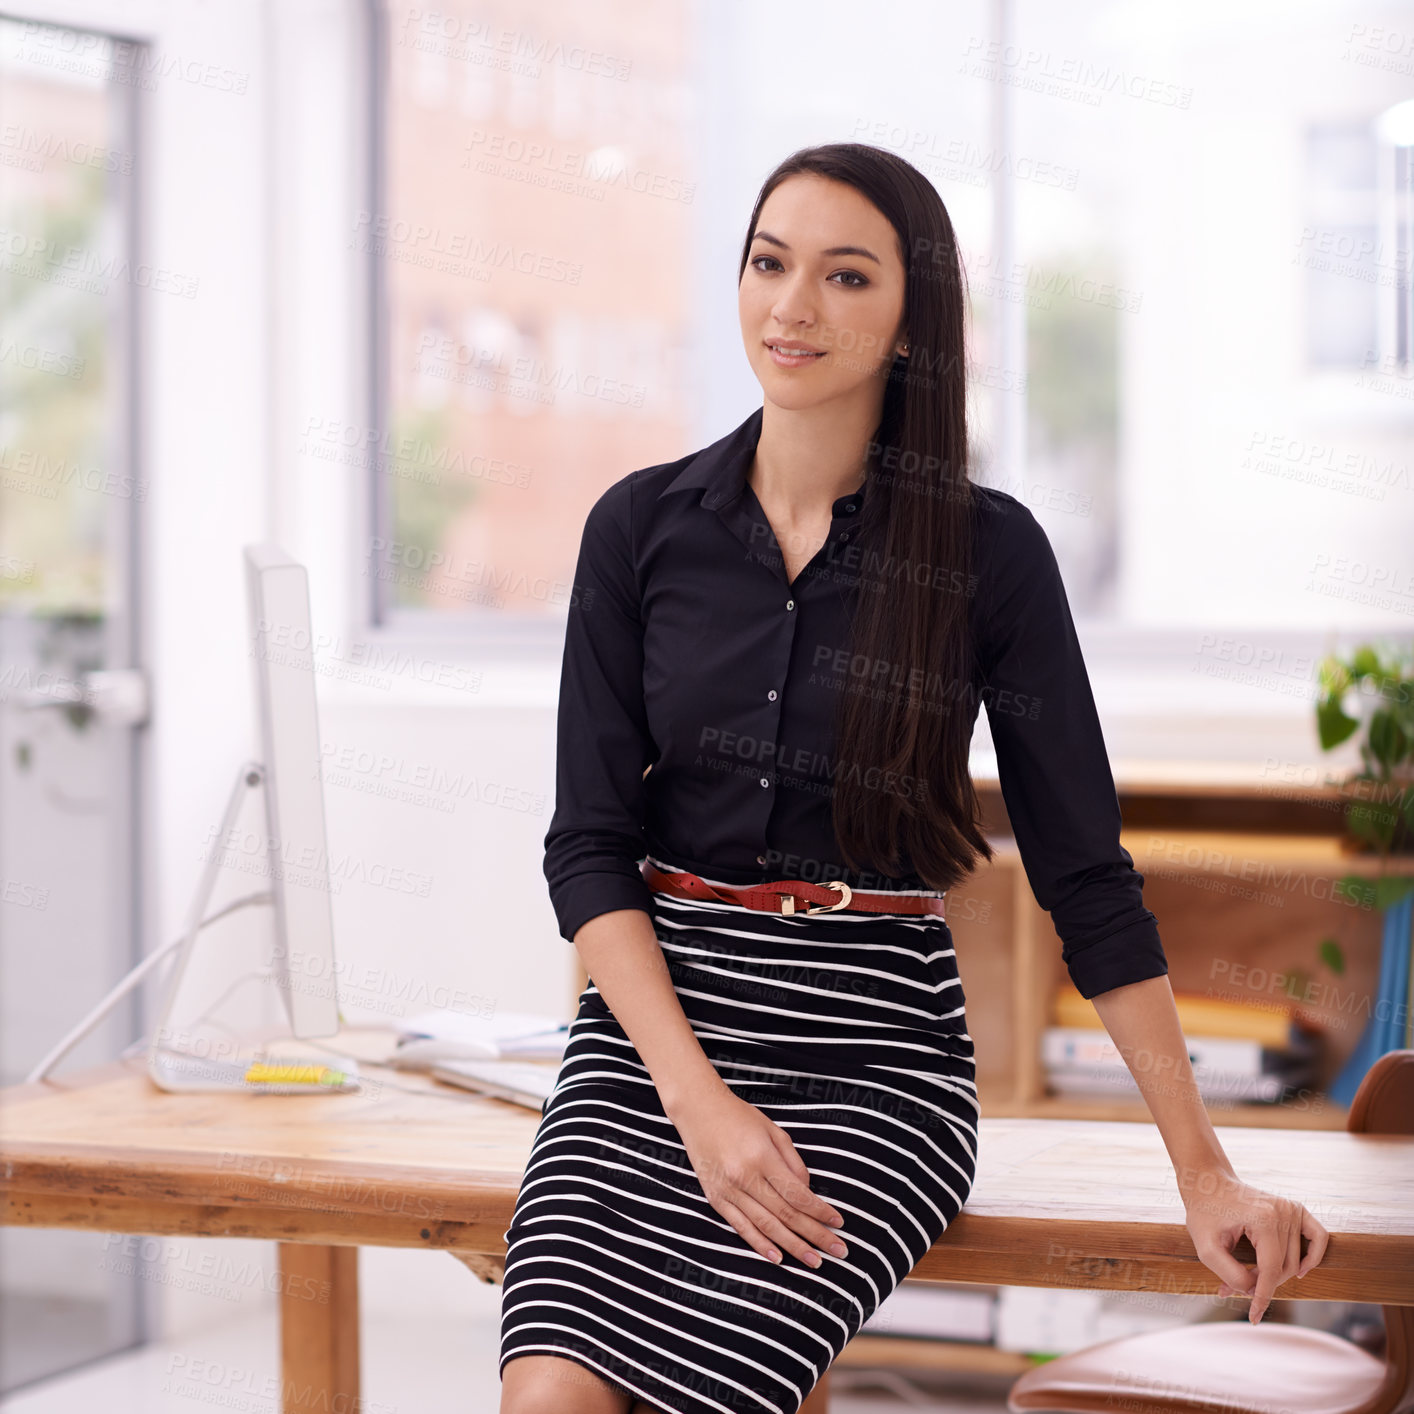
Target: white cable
125, 986
260, 975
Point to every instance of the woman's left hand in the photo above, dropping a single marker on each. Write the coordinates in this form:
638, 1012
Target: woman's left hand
1220, 1208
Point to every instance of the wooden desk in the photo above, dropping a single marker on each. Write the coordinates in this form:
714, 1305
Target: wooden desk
1088, 1204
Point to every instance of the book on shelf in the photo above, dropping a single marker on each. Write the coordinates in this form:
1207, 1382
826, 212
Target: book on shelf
1082, 1045
936, 1312
1268, 1025
1059, 1320
1101, 1082
1079, 1060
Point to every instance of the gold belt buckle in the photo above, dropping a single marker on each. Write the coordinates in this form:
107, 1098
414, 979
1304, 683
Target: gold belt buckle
788, 900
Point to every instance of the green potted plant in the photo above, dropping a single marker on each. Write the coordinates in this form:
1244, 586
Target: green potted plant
1379, 819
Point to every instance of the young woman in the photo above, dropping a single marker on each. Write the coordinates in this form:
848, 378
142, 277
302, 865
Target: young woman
773, 666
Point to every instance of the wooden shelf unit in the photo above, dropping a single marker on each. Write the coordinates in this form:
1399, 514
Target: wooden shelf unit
1239, 910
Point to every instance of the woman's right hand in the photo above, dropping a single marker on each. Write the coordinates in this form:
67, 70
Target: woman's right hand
753, 1176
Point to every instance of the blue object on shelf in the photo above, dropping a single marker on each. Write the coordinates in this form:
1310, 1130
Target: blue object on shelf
1386, 1029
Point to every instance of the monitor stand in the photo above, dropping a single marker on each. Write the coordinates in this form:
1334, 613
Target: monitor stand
170, 1067
176, 1069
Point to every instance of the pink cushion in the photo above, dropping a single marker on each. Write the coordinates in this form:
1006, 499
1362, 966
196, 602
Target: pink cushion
1227, 1366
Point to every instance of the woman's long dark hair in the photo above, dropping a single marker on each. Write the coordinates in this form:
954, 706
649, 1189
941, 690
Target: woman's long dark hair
902, 791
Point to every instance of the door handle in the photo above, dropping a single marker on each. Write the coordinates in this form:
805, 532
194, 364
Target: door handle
117, 695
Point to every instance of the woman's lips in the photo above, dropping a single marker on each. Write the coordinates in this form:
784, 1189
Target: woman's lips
792, 358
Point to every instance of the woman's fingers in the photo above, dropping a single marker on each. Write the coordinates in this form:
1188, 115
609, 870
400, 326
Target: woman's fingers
1316, 1239
1267, 1240
797, 1193
800, 1195
1293, 1250
752, 1175
776, 1227
746, 1229
788, 1151
793, 1205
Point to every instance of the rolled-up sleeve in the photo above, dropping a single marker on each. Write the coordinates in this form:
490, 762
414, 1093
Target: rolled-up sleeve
1054, 770
603, 745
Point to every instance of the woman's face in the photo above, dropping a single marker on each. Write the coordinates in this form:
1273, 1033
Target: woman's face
823, 271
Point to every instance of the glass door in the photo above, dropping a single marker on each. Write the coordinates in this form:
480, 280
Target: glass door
72, 699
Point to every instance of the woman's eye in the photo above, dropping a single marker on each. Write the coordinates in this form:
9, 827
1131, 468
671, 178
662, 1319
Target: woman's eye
855, 279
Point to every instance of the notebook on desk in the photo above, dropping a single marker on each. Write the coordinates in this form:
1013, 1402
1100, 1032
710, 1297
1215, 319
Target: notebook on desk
523, 1082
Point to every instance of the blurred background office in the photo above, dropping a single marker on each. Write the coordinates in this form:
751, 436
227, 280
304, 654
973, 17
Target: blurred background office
404, 288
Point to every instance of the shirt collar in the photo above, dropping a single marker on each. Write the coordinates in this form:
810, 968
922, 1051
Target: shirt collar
719, 470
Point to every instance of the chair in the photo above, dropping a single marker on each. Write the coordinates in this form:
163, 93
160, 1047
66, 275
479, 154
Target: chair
1234, 1367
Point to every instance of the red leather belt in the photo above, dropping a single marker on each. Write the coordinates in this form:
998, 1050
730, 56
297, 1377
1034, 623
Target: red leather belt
783, 895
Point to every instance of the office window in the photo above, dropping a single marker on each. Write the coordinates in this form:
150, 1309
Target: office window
537, 193
1172, 223
1341, 254
61, 361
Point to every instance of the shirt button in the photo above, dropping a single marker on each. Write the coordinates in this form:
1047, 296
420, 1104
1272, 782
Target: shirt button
845, 536
765, 781
790, 604
760, 858
771, 696
850, 507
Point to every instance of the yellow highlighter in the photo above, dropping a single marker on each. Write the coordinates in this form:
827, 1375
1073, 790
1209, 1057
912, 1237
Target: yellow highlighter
263, 1073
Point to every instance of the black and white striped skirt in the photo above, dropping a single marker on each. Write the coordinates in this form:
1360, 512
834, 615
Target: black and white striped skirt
848, 1030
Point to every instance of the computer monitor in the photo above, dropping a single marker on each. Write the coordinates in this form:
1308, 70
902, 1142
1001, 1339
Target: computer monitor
282, 652
289, 776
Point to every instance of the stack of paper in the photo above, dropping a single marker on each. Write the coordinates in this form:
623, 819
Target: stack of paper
528, 1083
431, 1037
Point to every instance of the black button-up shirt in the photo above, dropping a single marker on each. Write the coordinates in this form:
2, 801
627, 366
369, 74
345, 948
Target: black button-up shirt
687, 650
